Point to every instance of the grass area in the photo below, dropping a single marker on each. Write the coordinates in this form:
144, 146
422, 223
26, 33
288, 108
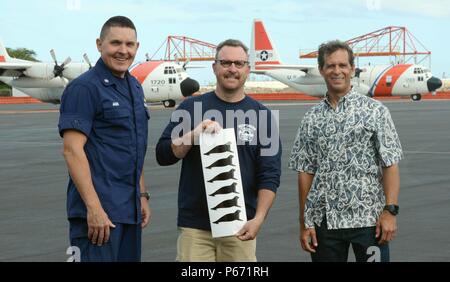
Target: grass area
5, 90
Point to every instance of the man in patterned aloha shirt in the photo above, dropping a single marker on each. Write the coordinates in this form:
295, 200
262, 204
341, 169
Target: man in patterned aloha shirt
346, 154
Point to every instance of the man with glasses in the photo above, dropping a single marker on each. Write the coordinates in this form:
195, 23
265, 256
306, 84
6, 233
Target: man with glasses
260, 172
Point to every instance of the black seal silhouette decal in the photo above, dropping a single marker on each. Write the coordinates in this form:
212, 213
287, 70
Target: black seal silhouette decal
220, 149
229, 217
223, 176
222, 162
228, 204
226, 190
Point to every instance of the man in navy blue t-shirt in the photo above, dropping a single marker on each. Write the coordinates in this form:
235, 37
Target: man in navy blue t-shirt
259, 151
104, 123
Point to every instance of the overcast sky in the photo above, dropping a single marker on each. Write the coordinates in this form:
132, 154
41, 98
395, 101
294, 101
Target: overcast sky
71, 26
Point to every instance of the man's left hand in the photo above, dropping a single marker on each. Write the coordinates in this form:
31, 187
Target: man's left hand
387, 226
146, 212
249, 230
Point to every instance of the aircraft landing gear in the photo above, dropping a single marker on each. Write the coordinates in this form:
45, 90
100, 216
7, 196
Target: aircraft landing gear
169, 103
416, 97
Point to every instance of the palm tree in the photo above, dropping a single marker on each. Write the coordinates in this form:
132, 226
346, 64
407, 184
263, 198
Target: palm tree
22, 53
18, 53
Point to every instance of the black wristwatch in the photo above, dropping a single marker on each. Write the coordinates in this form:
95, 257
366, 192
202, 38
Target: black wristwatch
146, 195
392, 209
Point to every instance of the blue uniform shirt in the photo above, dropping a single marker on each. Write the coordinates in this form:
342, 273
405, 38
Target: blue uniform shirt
115, 122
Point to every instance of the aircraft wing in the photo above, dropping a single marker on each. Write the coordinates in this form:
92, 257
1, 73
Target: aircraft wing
304, 68
14, 68
194, 67
307, 70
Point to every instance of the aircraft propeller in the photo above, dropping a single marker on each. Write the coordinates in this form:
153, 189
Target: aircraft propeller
58, 69
185, 63
358, 71
360, 86
86, 59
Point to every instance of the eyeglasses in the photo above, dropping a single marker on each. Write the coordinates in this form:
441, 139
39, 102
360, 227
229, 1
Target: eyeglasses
227, 63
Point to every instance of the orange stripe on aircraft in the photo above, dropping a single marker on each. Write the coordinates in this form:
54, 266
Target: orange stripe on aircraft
268, 63
262, 41
260, 65
2, 59
141, 71
383, 88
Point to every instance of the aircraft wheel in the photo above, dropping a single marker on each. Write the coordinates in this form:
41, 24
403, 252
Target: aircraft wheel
169, 103
416, 97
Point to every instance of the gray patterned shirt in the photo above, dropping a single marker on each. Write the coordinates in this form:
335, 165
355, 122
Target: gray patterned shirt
345, 148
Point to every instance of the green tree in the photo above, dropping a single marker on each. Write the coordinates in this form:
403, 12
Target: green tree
22, 53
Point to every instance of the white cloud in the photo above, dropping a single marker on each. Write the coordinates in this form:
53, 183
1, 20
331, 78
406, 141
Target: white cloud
430, 8
198, 11
362, 8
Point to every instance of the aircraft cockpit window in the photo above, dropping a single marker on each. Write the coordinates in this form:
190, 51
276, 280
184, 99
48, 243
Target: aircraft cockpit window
419, 70
169, 70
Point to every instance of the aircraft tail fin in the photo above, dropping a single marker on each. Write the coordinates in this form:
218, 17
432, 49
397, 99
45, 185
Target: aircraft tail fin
262, 50
3, 53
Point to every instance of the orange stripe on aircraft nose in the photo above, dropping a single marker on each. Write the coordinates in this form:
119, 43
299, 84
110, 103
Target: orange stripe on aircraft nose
262, 41
384, 88
2, 59
142, 71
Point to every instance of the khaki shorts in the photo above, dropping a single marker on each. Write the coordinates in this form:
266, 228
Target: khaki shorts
199, 245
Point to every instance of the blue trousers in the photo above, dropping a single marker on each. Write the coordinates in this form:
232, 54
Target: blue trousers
334, 245
124, 242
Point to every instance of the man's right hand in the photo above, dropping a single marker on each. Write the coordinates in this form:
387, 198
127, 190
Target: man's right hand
206, 126
182, 145
308, 239
98, 224
78, 164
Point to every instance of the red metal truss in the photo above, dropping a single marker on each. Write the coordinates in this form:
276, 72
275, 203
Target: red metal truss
388, 41
182, 48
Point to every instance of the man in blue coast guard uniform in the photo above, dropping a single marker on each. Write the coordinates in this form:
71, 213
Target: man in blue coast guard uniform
104, 123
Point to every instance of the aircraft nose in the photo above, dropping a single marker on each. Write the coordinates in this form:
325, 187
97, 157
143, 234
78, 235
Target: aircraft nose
434, 83
189, 86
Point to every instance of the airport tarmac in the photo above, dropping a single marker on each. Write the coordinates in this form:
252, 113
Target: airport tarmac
33, 180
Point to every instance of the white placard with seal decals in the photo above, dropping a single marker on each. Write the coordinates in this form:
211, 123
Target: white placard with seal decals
223, 182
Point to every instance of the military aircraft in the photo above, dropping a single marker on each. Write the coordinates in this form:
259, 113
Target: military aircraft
162, 81
375, 81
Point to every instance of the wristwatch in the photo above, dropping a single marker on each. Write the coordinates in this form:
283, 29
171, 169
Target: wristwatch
146, 195
392, 209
